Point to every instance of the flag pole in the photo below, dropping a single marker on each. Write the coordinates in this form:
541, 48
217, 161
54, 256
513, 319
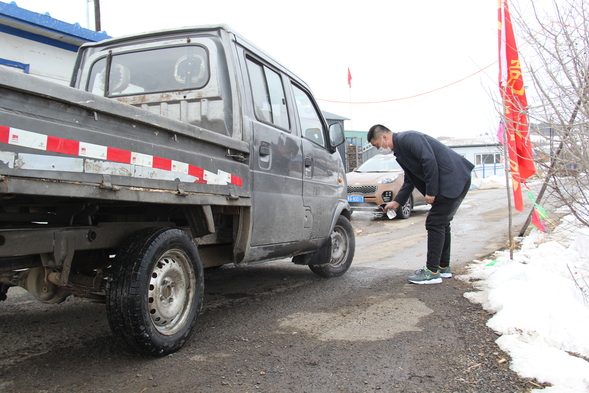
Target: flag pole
508, 189
351, 116
350, 98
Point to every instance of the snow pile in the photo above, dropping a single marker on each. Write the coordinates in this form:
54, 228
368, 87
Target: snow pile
540, 301
488, 182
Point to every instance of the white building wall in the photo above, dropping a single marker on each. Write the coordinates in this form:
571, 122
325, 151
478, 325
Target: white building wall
482, 171
469, 152
46, 61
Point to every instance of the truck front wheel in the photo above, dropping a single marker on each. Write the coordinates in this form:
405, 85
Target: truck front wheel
155, 294
342, 245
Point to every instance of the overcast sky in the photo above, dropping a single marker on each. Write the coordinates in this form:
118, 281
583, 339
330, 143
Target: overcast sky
443, 54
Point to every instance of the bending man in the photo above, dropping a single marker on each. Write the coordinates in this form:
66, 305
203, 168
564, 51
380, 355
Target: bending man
442, 176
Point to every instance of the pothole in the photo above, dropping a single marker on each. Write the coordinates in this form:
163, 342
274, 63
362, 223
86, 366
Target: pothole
379, 321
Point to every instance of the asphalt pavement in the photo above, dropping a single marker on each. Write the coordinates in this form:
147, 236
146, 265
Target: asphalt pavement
277, 327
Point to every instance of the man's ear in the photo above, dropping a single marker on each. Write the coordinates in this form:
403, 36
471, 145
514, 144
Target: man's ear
384, 140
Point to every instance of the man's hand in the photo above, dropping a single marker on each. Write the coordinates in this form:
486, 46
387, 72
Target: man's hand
394, 205
430, 199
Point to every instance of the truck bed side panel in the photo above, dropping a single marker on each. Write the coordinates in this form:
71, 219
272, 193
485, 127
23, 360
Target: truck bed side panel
58, 134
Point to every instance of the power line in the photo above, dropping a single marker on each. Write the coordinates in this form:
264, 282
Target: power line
413, 96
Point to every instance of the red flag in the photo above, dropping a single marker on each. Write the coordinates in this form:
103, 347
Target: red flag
349, 78
511, 85
537, 221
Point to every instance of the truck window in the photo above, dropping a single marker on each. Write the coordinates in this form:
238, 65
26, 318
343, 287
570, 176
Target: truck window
311, 125
268, 93
151, 71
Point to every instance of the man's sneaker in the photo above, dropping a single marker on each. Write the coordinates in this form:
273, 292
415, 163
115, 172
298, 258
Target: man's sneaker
445, 272
425, 276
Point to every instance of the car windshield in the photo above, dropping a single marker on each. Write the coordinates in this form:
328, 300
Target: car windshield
380, 163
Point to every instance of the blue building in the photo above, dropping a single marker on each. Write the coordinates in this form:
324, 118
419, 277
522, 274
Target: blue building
39, 45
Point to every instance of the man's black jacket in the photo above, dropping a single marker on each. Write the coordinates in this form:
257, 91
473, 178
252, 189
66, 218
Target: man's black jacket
430, 166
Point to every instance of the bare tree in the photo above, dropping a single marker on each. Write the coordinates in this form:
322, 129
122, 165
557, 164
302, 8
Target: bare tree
556, 53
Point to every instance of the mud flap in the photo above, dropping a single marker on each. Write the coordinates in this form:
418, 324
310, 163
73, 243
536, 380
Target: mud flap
319, 257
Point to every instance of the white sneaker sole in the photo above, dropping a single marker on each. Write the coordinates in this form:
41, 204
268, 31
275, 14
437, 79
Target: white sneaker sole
446, 275
434, 281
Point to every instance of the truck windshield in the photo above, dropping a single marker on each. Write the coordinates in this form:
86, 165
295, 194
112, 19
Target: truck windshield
150, 71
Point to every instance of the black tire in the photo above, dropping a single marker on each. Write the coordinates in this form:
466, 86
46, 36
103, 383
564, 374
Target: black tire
338, 251
156, 290
404, 212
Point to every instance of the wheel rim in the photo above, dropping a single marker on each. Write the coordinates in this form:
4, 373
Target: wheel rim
339, 246
407, 208
171, 292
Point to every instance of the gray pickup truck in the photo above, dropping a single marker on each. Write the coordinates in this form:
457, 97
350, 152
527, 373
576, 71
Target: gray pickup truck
171, 152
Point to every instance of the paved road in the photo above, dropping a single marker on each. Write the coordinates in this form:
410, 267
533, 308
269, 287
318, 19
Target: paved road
479, 228
276, 327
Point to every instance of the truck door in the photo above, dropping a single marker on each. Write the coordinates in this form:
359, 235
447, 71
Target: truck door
321, 174
278, 215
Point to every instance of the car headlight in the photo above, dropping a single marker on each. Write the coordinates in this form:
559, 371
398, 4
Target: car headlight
387, 180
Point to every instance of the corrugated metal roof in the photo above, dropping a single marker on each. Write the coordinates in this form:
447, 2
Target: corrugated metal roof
475, 141
332, 116
28, 22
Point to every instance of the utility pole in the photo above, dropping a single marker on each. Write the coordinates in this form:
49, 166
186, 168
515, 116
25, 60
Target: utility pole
97, 15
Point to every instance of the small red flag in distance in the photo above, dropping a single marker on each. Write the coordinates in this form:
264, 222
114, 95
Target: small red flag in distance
349, 78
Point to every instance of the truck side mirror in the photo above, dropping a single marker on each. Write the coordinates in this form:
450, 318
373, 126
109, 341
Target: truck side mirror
336, 135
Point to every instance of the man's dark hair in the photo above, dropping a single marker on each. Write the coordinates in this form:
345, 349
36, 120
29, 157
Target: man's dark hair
376, 132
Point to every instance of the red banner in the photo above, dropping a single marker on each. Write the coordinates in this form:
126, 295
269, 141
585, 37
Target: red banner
511, 85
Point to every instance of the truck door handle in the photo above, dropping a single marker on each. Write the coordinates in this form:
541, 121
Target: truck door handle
264, 149
308, 161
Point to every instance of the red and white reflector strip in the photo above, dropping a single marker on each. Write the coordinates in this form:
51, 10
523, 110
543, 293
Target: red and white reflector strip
37, 141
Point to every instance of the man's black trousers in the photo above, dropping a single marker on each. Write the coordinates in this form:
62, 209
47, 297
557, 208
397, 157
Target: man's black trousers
437, 225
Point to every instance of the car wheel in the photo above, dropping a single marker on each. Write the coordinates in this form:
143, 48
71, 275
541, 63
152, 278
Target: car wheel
404, 211
339, 251
156, 290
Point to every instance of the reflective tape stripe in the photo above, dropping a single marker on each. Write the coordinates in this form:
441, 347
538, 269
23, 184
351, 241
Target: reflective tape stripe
33, 140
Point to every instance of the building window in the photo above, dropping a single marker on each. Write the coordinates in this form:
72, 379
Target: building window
481, 159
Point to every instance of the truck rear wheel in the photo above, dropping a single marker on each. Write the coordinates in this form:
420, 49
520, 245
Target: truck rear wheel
156, 291
341, 251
